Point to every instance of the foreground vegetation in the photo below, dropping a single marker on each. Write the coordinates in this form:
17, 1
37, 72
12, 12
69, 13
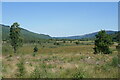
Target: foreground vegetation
66, 60
59, 58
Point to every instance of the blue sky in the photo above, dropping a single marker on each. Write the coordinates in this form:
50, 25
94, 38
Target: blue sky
62, 18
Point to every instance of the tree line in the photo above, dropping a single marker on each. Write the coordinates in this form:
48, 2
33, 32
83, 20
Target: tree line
102, 40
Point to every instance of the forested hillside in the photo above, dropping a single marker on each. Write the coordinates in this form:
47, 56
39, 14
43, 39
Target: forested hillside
27, 35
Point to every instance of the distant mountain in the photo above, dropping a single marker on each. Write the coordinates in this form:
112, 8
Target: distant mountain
90, 35
27, 35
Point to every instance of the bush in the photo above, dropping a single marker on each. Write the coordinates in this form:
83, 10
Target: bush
115, 61
118, 47
6, 50
35, 49
21, 69
64, 41
79, 75
56, 43
36, 73
77, 43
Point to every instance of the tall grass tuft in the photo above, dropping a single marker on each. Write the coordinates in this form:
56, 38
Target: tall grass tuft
79, 75
115, 61
21, 69
36, 73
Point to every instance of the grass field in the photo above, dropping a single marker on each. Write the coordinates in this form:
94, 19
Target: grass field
66, 60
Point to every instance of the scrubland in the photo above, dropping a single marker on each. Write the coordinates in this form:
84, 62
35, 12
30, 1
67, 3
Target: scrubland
66, 60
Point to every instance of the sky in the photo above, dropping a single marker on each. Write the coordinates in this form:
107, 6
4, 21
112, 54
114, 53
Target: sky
61, 19
60, 0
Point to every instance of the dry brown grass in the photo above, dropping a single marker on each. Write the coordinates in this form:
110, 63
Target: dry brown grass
62, 62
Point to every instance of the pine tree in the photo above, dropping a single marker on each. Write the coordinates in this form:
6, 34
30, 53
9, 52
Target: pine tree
15, 37
102, 43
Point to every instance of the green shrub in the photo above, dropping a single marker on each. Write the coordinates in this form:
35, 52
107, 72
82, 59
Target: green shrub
35, 49
6, 50
56, 43
36, 73
64, 41
105, 67
21, 69
118, 47
79, 75
77, 43
115, 61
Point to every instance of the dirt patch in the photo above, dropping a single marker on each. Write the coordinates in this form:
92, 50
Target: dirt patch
68, 66
92, 61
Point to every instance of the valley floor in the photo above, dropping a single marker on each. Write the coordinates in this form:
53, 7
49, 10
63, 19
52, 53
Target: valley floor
75, 61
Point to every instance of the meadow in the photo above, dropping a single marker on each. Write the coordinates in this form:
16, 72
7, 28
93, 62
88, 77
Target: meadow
66, 60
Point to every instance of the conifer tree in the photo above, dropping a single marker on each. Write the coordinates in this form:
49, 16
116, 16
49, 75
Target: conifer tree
15, 37
102, 43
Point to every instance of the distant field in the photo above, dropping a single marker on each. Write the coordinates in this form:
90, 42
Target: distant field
66, 60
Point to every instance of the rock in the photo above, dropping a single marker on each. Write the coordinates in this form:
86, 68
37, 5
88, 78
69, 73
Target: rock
47, 63
97, 63
18, 57
76, 66
27, 62
89, 57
